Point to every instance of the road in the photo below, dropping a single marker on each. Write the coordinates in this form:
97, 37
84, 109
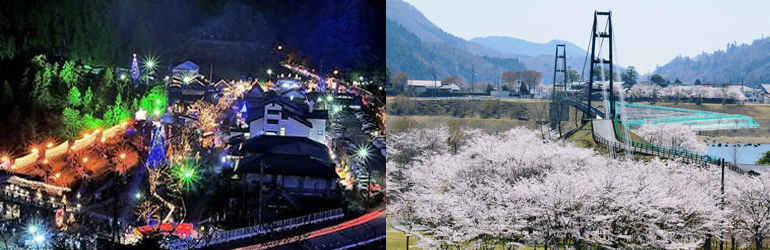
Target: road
362, 228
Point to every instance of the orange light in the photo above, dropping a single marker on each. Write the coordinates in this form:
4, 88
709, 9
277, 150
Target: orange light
85, 159
34, 150
5, 158
123, 156
45, 161
50, 144
57, 175
103, 139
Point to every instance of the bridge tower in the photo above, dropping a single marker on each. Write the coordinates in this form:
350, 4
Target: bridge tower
606, 34
560, 84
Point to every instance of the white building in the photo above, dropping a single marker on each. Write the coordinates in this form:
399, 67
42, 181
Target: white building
765, 88
421, 86
754, 95
281, 117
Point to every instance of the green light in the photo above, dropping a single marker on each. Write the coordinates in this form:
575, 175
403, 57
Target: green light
122, 76
329, 98
157, 102
186, 174
320, 99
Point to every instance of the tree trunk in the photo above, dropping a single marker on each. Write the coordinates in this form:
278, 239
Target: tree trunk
707, 244
758, 241
407, 242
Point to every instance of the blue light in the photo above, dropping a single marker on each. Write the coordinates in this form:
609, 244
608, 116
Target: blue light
243, 109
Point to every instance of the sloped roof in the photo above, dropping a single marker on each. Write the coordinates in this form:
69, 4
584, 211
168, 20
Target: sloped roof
286, 145
188, 65
299, 165
296, 110
765, 87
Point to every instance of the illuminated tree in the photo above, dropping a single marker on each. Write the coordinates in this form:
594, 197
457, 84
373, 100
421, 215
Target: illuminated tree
135, 73
41, 91
157, 155
73, 98
72, 123
69, 73
88, 99
91, 122
155, 101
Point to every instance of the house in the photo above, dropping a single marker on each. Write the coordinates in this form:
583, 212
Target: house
754, 95
755, 169
187, 68
276, 115
421, 86
189, 91
292, 172
766, 92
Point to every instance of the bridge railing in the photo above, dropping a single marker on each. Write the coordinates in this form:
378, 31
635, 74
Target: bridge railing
648, 148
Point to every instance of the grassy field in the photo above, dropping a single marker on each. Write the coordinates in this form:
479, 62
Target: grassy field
397, 241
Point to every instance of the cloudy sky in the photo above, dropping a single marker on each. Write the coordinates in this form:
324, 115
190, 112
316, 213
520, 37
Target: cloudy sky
648, 33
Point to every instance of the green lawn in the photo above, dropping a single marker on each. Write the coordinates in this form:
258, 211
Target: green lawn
397, 241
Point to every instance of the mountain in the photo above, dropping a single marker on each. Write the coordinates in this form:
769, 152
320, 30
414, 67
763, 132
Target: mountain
406, 52
523, 47
457, 54
747, 63
414, 21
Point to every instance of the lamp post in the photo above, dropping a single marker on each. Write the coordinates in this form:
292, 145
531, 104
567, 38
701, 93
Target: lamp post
269, 73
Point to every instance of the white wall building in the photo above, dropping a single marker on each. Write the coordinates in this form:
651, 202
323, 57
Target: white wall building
421, 86
284, 118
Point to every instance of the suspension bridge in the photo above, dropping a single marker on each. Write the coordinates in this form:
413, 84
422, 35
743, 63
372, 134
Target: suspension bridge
612, 120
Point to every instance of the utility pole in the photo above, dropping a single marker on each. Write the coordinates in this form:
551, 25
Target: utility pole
434, 83
473, 72
722, 206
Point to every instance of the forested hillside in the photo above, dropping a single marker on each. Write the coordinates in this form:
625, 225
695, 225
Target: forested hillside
749, 63
408, 53
233, 36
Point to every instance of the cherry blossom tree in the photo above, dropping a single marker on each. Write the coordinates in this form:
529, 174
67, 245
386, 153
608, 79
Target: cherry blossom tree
749, 200
516, 188
671, 135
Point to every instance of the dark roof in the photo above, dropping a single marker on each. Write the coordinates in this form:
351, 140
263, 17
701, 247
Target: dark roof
290, 145
287, 155
300, 165
759, 168
296, 110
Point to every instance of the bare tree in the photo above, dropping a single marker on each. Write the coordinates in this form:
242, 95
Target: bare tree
401, 217
735, 154
538, 112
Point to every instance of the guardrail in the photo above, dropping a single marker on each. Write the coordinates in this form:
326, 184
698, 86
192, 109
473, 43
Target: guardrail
647, 148
247, 232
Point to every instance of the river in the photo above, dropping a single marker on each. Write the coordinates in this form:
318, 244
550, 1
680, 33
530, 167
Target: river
747, 155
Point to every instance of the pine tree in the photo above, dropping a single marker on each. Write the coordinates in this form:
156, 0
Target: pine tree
73, 98
88, 100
